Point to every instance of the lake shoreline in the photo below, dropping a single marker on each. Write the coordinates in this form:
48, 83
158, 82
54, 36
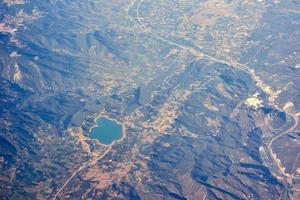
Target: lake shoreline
99, 125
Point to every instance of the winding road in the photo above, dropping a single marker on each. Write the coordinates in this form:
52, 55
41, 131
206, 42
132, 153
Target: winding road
198, 54
241, 66
269, 145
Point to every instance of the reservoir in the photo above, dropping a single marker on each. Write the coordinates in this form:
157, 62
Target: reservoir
106, 131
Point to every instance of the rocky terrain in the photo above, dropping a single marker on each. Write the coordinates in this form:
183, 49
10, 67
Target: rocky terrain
207, 91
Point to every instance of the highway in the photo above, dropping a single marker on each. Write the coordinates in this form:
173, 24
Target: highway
198, 54
264, 87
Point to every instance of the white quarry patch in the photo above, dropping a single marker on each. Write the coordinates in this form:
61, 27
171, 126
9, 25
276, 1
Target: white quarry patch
14, 2
17, 75
254, 101
13, 54
288, 105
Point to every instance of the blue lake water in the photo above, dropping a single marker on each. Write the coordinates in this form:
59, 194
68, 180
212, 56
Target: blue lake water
106, 131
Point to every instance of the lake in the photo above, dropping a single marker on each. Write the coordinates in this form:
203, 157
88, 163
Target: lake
106, 131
